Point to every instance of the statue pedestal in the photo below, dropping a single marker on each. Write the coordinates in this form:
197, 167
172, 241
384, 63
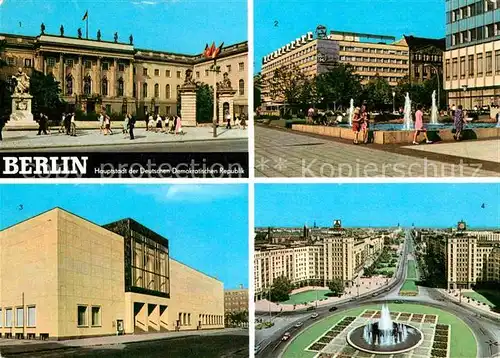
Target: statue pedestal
21, 112
188, 105
226, 96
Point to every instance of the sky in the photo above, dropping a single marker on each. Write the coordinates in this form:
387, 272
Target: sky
206, 225
377, 205
182, 26
278, 22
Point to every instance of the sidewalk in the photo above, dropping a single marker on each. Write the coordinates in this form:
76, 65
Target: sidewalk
14, 346
13, 140
465, 301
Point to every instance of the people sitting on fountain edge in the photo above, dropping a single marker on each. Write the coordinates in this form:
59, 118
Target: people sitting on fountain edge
419, 126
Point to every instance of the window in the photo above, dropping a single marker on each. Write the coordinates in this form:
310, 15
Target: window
480, 64
96, 316
454, 68
206, 73
134, 90
178, 74
88, 64
489, 64
241, 66
82, 316
1, 318
27, 62
69, 85
462, 67
19, 317
144, 71
228, 67
447, 69
471, 65
167, 91
197, 74
120, 87
241, 86
104, 86
167, 73
105, 66
497, 62
157, 90
144, 90
168, 109
31, 316
51, 62
121, 67
8, 317
157, 72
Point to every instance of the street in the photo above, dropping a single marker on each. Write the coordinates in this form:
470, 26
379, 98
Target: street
283, 153
215, 346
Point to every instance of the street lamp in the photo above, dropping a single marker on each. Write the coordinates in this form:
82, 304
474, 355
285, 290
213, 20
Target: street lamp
465, 87
212, 53
393, 102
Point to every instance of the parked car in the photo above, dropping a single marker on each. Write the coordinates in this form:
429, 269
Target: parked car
298, 324
333, 309
314, 315
257, 349
286, 336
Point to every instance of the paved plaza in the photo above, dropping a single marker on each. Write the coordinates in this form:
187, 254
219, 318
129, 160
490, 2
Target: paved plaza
29, 140
282, 153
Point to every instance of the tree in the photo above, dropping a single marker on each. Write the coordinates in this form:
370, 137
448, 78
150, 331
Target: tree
46, 94
339, 85
257, 91
204, 103
286, 85
280, 290
378, 93
336, 286
5, 87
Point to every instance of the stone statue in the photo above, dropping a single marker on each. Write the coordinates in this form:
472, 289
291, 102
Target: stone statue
42, 29
98, 35
23, 82
131, 39
116, 37
189, 77
79, 33
62, 30
226, 82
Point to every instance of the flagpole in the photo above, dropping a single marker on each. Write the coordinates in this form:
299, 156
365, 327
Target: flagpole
87, 26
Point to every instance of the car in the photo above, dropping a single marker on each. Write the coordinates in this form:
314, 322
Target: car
298, 324
257, 349
286, 336
332, 309
314, 315
398, 301
375, 295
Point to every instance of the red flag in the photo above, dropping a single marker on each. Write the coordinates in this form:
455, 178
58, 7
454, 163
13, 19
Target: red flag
218, 51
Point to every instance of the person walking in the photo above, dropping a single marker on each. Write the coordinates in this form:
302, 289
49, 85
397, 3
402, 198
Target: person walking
167, 124
364, 124
72, 125
131, 125
243, 122
228, 119
126, 123
42, 124
458, 122
61, 124
101, 123
146, 119
178, 126
419, 126
159, 123
356, 124
67, 123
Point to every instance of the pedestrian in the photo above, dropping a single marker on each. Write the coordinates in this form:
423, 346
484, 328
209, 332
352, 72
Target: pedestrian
42, 124
67, 123
146, 119
174, 124
131, 125
243, 122
419, 126
3, 119
151, 123
107, 122
167, 124
178, 126
228, 119
364, 124
73, 125
159, 123
458, 122
237, 122
101, 122
126, 122
356, 125
61, 124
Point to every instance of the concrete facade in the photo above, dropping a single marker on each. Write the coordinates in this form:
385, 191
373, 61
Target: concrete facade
77, 279
119, 77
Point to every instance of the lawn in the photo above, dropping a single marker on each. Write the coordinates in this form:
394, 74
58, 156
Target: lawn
409, 286
490, 297
306, 296
463, 343
411, 270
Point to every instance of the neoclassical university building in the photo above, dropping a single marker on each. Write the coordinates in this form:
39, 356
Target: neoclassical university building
120, 77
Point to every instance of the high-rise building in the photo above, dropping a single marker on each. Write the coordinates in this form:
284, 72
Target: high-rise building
472, 57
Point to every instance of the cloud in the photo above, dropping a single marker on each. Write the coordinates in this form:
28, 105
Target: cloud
191, 192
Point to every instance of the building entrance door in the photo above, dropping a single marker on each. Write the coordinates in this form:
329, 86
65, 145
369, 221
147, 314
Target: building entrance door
90, 106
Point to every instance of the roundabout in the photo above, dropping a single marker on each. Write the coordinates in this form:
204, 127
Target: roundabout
430, 332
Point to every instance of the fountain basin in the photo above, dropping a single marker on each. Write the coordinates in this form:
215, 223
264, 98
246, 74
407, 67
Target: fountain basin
437, 133
414, 338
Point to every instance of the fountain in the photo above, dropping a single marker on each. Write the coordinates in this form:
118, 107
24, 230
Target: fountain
408, 122
385, 336
351, 111
434, 109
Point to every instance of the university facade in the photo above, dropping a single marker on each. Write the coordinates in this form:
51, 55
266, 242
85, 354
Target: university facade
119, 77
62, 276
